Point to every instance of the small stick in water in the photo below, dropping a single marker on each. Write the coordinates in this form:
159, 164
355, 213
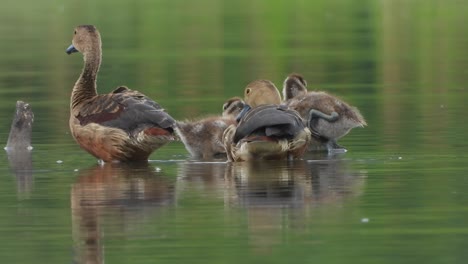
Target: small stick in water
21, 127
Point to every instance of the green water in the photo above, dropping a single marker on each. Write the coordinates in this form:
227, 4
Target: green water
397, 196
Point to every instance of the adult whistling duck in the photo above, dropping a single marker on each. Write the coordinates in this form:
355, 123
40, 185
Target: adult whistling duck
123, 125
267, 130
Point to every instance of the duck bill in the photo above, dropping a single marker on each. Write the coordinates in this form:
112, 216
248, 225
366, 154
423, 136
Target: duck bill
243, 112
71, 49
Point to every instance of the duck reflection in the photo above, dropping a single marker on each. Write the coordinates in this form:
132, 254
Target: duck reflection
279, 196
122, 194
207, 176
265, 184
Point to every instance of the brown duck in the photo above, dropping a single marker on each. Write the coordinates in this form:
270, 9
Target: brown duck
267, 130
203, 138
123, 125
328, 117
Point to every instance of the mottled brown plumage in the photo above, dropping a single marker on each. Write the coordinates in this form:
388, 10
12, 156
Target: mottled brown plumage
268, 130
203, 138
328, 117
123, 125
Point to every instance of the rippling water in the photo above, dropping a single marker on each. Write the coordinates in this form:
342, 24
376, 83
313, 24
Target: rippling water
397, 196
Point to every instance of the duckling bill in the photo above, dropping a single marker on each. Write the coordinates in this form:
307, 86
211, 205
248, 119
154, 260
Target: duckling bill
124, 125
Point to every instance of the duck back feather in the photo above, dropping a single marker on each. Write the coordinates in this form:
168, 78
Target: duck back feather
270, 121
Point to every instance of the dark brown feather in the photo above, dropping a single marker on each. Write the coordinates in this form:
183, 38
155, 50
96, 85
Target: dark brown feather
271, 121
125, 109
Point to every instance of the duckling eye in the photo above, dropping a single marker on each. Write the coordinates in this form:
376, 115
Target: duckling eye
247, 91
74, 32
224, 106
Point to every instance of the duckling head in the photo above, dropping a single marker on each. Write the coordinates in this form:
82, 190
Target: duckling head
294, 85
85, 39
232, 107
261, 92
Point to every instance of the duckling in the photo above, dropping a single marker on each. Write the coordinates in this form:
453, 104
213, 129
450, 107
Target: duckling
328, 117
268, 130
123, 125
203, 138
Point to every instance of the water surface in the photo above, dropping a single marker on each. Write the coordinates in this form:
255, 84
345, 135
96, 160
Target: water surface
398, 194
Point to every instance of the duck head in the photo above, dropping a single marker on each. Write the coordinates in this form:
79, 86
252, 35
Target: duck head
259, 92
294, 85
85, 39
232, 107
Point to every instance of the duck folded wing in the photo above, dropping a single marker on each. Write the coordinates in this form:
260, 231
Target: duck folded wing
125, 109
128, 94
270, 121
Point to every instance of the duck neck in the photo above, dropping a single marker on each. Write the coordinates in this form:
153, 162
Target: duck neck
85, 86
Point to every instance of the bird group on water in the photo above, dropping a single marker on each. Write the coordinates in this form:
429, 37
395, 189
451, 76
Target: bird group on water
125, 125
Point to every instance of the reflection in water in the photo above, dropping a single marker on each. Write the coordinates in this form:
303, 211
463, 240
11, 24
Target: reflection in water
208, 176
19, 148
332, 180
278, 196
20, 162
123, 193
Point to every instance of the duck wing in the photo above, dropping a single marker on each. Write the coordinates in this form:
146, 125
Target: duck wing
271, 121
125, 109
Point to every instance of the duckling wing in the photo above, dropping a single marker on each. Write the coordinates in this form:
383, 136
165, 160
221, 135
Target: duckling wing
269, 120
125, 109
